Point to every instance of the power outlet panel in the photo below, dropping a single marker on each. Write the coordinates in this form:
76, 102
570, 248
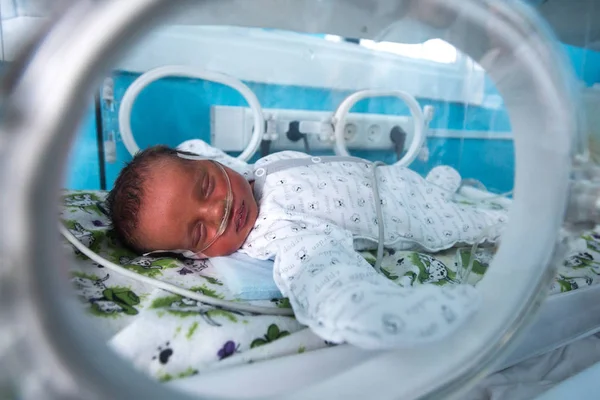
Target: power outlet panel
231, 129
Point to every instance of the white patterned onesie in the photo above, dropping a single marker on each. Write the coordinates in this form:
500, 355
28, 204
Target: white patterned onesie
315, 213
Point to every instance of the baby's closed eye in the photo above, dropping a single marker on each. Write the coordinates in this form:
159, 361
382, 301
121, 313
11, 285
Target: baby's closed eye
206, 186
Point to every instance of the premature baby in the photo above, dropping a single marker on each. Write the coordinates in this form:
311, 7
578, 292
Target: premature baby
311, 215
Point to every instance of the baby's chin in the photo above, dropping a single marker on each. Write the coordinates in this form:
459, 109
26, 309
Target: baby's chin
251, 221
252, 217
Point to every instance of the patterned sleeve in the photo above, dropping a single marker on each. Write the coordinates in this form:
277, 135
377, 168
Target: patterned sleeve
337, 293
445, 177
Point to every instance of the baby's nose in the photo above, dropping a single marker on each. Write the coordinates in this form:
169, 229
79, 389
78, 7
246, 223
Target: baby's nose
214, 211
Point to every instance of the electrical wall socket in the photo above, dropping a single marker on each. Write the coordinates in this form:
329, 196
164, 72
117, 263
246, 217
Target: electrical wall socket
231, 129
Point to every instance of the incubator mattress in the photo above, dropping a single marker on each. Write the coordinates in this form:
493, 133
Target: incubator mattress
172, 337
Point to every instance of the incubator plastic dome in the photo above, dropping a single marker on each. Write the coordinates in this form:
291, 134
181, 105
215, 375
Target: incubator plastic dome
50, 350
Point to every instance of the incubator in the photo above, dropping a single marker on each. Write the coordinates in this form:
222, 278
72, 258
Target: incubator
481, 86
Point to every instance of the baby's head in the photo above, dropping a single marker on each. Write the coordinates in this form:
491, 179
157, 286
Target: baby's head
161, 201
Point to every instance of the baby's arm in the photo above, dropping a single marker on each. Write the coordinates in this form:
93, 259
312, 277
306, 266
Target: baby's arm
339, 295
445, 177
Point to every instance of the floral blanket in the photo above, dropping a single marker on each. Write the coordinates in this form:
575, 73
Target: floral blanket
172, 337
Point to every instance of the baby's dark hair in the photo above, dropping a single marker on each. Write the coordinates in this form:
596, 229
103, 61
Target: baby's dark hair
125, 199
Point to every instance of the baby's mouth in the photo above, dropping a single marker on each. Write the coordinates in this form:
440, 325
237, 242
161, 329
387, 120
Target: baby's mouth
240, 217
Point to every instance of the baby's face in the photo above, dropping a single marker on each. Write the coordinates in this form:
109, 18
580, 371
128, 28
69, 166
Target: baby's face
184, 205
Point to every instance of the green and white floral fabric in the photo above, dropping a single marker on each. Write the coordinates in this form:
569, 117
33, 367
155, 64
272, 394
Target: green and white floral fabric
172, 337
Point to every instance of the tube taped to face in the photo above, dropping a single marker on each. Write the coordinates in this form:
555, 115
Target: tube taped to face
224, 222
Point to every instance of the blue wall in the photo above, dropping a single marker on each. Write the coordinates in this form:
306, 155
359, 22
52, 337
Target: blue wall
585, 63
83, 164
173, 110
